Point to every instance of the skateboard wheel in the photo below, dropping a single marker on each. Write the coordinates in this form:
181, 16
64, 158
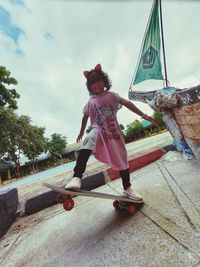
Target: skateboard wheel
131, 210
116, 204
60, 199
68, 204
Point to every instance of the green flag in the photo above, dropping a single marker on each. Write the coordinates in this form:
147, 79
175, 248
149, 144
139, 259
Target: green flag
149, 64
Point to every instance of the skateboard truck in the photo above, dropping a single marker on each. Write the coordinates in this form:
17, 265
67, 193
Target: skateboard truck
67, 201
130, 208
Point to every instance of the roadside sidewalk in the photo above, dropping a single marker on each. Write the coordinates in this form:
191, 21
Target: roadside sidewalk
171, 189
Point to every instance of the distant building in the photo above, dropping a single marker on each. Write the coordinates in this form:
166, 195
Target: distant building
5, 168
146, 124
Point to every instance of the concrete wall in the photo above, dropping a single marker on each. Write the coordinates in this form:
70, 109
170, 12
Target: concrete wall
187, 116
180, 109
8, 207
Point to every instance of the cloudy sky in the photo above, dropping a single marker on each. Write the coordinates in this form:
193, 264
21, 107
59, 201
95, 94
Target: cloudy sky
47, 44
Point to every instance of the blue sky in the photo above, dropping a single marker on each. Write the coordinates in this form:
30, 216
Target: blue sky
8, 27
47, 44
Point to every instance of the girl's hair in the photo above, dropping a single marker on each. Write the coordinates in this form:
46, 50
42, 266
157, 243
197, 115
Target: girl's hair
97, 75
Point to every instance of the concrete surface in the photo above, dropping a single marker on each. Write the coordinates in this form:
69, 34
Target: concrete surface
165, 232
8, 208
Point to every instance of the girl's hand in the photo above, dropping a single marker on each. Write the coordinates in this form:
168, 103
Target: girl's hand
79, 138
146, 117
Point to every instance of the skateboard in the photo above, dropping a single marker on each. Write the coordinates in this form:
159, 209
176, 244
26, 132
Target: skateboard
120, 203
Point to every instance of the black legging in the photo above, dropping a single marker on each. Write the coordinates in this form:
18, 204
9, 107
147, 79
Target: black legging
81, 163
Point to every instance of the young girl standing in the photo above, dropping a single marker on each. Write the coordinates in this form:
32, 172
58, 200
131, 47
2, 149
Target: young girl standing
105, 139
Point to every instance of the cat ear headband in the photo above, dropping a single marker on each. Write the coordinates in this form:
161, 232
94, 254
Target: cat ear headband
86, 72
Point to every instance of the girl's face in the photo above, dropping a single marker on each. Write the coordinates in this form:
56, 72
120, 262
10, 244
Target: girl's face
97, 87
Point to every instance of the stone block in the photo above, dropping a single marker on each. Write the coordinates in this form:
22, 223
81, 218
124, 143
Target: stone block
8, 207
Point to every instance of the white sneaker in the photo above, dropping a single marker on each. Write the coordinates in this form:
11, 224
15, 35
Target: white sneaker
74, 184
130, 193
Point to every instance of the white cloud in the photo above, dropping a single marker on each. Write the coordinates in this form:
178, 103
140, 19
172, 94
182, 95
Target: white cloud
63, 38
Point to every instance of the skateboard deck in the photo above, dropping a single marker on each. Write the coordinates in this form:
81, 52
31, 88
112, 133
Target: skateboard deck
120, 202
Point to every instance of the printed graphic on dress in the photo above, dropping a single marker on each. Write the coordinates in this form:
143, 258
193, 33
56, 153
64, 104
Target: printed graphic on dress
106, 121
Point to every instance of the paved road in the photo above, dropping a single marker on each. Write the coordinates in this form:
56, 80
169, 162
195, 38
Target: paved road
42, 175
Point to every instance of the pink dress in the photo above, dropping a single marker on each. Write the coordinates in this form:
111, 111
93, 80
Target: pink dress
110, 146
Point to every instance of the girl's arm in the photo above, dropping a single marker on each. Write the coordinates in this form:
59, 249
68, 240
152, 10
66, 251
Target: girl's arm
128, 104
83, 125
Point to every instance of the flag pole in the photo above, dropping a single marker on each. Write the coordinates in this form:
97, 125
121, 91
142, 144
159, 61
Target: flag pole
163, 46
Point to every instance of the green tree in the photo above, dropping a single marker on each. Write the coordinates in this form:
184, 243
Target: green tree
158, 118
7, 96
134, 131
139, 129
18, 136
16, 133
56, 144
8, 121
34, 142
11, 136
129, 132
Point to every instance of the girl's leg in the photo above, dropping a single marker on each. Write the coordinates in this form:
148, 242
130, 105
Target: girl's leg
128, 191
75, 182
88, 145
125, 178
81, 162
